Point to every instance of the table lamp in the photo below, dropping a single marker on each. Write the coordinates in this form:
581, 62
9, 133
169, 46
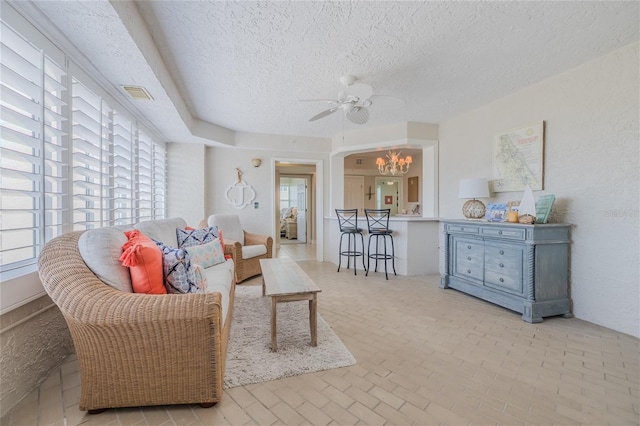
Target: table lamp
472, 189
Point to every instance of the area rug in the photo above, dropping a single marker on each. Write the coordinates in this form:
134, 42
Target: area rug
249, 356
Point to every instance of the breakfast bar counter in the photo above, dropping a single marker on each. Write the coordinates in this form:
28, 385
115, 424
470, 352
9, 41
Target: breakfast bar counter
415, 239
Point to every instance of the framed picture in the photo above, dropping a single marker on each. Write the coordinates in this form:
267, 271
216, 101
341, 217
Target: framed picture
388, 199
413, 189
518, 157
496, 212
543, 207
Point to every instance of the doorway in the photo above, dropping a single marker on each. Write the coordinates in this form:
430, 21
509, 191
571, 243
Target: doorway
293, 209
389, 193
295, 204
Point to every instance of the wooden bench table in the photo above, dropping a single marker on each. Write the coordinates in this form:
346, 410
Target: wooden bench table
284, 281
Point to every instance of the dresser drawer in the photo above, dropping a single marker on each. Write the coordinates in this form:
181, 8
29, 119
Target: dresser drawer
502, 282
468, 250
466, 229
506, 232
504, 259
469, 270
468, 258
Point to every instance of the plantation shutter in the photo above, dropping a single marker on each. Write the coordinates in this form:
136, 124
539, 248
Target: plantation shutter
145, 177
123, 169
90, 157
32, 153
159, 180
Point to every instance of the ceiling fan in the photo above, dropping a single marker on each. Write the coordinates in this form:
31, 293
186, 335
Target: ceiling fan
355, 101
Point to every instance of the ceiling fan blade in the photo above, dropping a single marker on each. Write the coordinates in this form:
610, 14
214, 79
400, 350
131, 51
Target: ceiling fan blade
386, 103
331, 101
324, 113
358, 115
359, 90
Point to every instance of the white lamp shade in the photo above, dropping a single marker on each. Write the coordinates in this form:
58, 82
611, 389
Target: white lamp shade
473, 188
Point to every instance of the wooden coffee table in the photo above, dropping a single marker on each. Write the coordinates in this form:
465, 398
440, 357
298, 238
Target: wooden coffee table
284, 281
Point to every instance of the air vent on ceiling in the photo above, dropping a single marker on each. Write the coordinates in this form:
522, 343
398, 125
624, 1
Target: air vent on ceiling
138, 93
360, 162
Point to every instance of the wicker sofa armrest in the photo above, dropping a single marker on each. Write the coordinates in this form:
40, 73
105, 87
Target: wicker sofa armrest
134, 349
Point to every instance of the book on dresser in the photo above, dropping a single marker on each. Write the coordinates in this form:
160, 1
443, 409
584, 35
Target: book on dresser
520, 267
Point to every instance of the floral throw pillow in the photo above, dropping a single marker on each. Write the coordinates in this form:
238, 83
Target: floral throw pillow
201, 280
195, 237
179, 274
206, 255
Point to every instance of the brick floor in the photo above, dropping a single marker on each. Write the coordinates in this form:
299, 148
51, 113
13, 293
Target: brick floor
425, 356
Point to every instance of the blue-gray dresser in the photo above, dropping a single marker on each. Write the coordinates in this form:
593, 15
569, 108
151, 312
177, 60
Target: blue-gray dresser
521, 267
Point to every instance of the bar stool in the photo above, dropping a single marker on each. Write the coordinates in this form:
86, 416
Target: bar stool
378, 224
348, 222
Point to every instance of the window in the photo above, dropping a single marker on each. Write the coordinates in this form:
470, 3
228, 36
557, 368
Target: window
123, 170
145, 177
159, 180
32, 152
91, 144
70, 158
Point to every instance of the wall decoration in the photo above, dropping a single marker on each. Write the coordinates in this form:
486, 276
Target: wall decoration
543, 207
240, 194
388, 199
369, 193
518, 158
412, 196
496, 212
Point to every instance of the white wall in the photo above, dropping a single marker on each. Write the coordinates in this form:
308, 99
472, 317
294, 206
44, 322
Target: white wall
591, 164
220, 174
186, 194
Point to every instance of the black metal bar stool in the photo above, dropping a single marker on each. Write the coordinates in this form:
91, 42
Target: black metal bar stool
348, 222
378, 224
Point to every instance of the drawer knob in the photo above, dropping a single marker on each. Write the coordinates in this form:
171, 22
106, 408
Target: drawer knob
501, 251
500, 232
469, 247
502, 265
468, 271
501, 280
468, 257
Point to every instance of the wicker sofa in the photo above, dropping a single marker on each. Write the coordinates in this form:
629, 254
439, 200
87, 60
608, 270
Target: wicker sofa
140, 349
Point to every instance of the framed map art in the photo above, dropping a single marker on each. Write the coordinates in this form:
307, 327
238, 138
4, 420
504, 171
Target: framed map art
518, 158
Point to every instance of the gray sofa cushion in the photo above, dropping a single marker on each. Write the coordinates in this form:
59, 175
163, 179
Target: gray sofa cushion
220, 279
101, 249
163, 230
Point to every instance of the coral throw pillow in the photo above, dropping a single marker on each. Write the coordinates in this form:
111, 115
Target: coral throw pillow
226, 256
144, 259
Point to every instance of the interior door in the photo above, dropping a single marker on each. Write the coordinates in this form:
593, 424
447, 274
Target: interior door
302, 211
354, 193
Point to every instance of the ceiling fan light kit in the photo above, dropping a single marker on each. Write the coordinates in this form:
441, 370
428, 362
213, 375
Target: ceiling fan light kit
354, 101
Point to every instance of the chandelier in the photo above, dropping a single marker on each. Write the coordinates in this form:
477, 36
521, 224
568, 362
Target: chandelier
394, 165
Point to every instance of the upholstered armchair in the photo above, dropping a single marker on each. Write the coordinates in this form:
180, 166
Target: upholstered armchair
245, 248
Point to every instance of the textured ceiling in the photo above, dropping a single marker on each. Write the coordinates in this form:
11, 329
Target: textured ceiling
245, 65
